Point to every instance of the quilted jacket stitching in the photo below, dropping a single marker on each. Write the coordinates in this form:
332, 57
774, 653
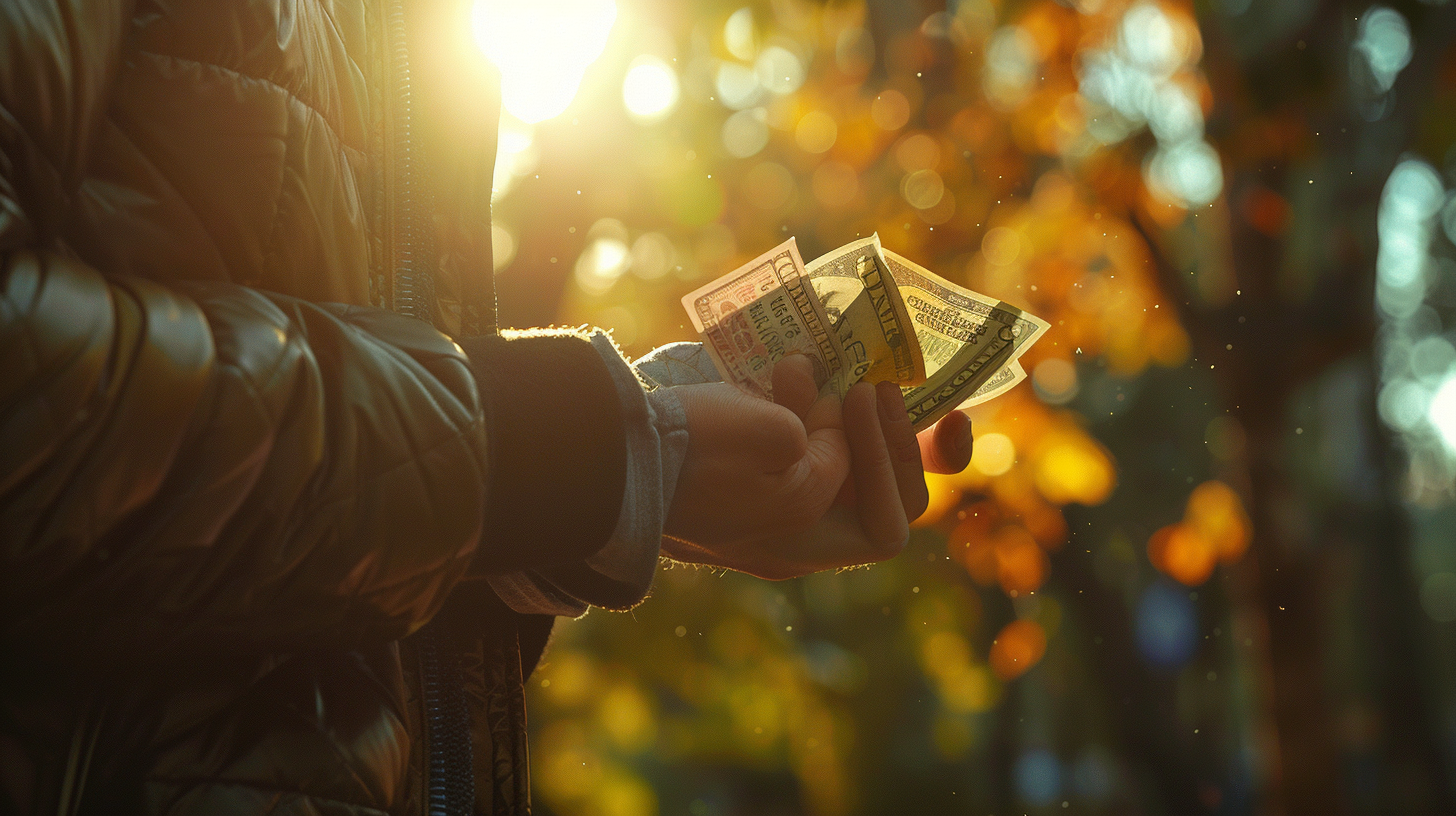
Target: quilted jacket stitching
239, 74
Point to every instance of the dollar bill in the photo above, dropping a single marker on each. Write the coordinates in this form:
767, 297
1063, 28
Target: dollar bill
863, 311
1005, 379
966, 339
868, 314
753, 316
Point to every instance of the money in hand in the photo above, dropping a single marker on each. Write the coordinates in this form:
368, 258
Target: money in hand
970, 341
869, 316
863, 312
751, 317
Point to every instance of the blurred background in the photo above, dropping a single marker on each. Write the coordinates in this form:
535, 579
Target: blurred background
1204, 561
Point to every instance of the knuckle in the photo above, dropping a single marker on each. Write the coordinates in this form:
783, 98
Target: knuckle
905, 448
784, 434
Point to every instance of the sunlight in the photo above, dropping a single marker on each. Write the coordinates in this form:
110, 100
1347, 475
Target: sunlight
542, 49
650, 89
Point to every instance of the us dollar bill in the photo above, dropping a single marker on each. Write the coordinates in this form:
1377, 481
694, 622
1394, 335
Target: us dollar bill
863, 312
967, 340
869, 316
753, 316
1005, 379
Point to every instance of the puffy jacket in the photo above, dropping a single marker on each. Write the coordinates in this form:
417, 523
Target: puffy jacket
260, 441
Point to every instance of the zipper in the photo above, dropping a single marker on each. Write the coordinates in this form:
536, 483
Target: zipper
450, 789
410, 282
449, 765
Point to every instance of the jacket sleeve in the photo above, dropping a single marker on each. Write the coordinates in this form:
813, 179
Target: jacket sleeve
214, 461
558, 448
203, 460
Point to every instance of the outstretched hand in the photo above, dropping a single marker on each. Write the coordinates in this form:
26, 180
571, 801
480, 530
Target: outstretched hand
805, 483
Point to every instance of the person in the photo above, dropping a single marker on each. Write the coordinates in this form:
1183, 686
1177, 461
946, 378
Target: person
285, 518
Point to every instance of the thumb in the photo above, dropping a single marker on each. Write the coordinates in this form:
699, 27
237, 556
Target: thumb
793, 383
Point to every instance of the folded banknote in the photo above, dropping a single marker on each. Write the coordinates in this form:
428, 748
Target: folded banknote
862, 312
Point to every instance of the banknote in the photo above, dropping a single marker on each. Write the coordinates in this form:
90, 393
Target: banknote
966, 339
863, 311
753, 316
868, 314
1005, 379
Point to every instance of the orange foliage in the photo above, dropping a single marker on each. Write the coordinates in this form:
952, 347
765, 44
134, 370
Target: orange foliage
1216, 512
970, 542
1021, 566
1179, 551
1019, 646
1214, 528
1071, 466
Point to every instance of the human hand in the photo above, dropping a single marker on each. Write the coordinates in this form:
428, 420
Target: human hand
802, 484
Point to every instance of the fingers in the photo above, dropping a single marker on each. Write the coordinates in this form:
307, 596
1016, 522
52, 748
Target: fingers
946, 446
877, 492
824, 468
904, 449
793, 384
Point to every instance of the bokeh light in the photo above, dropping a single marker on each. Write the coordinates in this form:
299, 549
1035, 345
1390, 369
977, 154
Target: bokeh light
779, 70
745, 132
650, 89
993, 454
1189, 172
816, 132
1021, 564
739, 36
1167, 625
890, 110
1001, 246
738, 86
1442, 413
605, 258
1017, 648
1055, 381
769, 185
1072, 467
1384, 40
923, 189
653, 255
1182, 553
1417, 396
1012, 61
1141, 78
1217, 514
918, 151
1038, 777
